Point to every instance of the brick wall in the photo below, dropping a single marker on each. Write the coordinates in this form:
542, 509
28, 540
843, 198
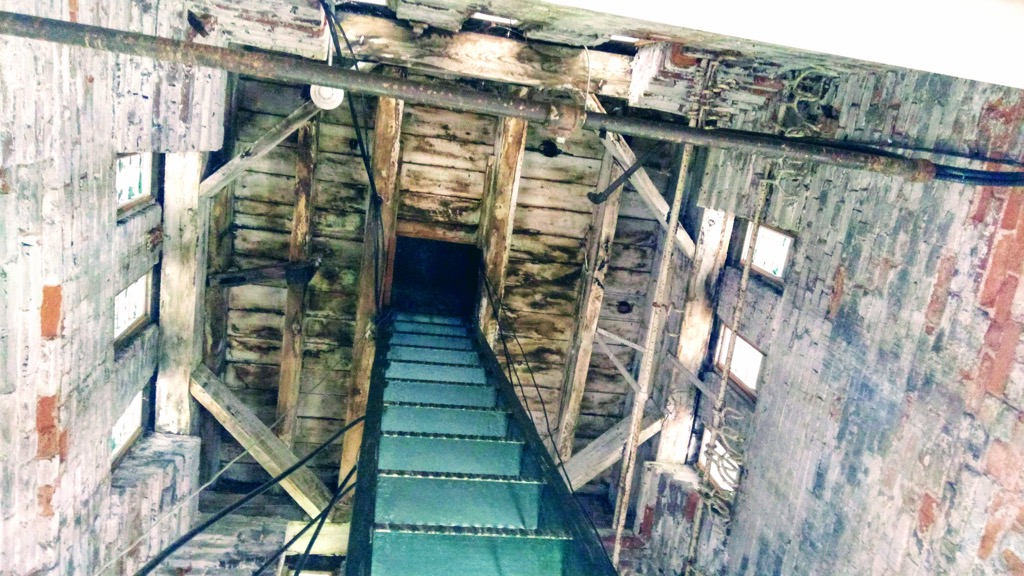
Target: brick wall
64, 115
888, 428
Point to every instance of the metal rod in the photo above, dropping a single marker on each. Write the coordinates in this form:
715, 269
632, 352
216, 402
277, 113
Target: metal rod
658, 308
600, 197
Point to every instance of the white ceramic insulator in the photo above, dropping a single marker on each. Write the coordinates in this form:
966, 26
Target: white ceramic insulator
326, 98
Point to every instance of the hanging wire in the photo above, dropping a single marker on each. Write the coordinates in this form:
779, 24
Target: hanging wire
323, 518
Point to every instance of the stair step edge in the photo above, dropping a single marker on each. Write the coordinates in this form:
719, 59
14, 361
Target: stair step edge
497, 478
478, 531
435, 436
457, 407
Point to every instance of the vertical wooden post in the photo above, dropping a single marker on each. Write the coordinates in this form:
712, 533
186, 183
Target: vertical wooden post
577, 366
294, 309
182, 290
496, 217
695, 329
386, 160
658, 310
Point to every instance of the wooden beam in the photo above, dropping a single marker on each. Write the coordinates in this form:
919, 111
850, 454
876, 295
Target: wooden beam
386, 163
302, 485
619, 340
658, 309
237, 165
599, 246
332, 541
487, 57
649, 193
299, 245
618, 364
606, 450
694, 332
182, 290
497, 214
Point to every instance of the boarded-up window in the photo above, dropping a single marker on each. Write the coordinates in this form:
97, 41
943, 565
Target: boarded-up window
771, 252
131, 306
746, 360
134, 179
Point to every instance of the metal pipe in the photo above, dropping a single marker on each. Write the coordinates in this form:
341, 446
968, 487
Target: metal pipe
765, 144
563, 118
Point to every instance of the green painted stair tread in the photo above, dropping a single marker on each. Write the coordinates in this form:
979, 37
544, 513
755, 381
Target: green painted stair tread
520, 479
449, 453
441, 393
429, 318
403, 550
427, 328
435, 373
433, 356
455, 501
431, 341
444, 419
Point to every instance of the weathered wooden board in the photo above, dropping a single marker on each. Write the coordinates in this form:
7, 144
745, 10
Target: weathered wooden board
557, 195
563, 168
544, 248
341, 168
442, 152
461, 126
533, 220
442, 181
439, 209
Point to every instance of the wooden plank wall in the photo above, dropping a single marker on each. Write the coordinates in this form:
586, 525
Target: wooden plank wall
264, 203
445, 161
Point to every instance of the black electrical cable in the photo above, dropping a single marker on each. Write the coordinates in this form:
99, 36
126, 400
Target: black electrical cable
978, 177
343, 489
323, 518
185, 538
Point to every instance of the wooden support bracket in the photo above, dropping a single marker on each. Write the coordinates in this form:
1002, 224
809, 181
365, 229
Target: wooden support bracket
302, 485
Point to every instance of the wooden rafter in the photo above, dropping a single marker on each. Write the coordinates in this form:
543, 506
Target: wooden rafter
577, 367
487, 57
302, 485
236, 166
497, 215
386, 163
294, 312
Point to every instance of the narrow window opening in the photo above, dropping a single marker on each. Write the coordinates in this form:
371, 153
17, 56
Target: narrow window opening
134, 180
771, 252
746, 360
132, 306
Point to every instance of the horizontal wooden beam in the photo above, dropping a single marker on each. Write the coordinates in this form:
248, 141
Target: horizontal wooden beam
471, 55
606, 450
302, 485
233, 169
619, 339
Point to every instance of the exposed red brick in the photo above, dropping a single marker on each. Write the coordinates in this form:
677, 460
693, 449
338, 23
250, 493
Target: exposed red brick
1005, 464
1004, 259
692, 501
1002, 513
983, 203
940, 293
926, 513
73, 10
838, 285
1000, 124
647, 526
1012, 211
1014, 564
681, 59
46, 427
1002, 307
50, 312
62, 446
45, 499
997, 362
